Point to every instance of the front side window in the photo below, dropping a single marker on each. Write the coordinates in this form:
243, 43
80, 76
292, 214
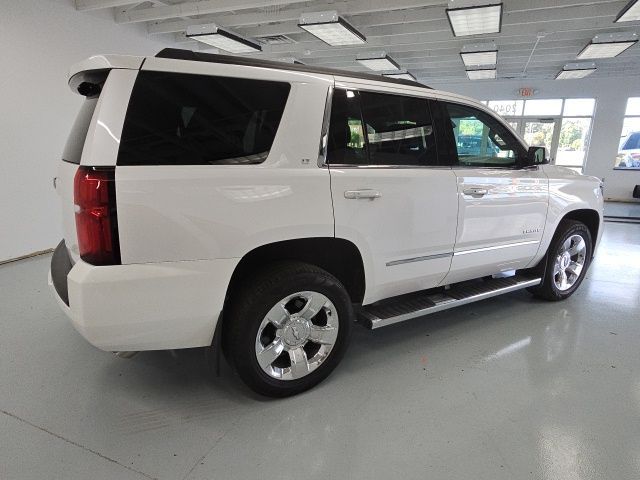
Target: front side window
183, 119
481, 140
380, 129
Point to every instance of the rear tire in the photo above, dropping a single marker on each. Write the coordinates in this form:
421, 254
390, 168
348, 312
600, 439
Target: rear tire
567, 261
288, 327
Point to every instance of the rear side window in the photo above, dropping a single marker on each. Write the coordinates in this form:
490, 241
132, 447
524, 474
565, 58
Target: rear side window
181, 119
380, 129
399, 130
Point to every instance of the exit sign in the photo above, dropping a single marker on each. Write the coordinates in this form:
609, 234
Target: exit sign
526, 92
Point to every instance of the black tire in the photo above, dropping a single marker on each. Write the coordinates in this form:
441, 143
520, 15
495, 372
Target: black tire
548, 290
251, 302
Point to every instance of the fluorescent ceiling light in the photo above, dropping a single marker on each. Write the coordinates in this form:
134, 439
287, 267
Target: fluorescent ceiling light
380, 62
573, 71
224, 40
630, 13
471, 59
481, 74
605, 49
475, 20
400, 75
331, 28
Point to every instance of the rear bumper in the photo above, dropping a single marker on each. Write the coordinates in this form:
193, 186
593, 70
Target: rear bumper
145, 306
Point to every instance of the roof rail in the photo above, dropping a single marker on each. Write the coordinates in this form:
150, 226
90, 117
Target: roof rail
180, 54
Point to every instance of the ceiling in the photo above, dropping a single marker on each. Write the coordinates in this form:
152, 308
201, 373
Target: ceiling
541, 35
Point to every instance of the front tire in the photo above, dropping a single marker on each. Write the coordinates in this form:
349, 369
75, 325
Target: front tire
567, 260
288, 327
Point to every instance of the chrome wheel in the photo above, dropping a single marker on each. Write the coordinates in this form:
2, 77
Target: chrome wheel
569, 262
297, 335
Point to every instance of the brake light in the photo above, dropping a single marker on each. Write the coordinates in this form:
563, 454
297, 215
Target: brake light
94, 193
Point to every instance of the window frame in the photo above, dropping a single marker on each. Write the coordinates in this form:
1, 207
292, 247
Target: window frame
520, 159
434, 113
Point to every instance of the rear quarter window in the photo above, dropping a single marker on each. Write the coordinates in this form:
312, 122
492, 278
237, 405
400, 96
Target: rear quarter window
183, 119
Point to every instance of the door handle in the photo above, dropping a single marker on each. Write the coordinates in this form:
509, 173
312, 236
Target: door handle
475, 191
362, 194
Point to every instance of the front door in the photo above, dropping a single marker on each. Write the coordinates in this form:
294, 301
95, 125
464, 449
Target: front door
502, 207
391, 197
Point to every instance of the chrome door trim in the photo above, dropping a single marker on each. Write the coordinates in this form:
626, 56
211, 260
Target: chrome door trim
419, 259
496, 247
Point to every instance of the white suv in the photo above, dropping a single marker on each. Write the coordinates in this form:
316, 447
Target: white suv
259, 208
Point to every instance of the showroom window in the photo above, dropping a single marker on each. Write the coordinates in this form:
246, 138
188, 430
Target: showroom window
562, 126
628, 157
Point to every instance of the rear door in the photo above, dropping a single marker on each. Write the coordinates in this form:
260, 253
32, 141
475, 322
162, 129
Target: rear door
502, 206
391, 195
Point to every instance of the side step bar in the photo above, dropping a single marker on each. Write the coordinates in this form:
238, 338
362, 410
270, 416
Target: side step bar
412, 305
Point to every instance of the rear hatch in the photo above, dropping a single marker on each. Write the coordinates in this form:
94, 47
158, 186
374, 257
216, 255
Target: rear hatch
105, 82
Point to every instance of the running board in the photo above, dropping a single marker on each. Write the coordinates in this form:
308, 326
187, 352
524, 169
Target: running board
412, 305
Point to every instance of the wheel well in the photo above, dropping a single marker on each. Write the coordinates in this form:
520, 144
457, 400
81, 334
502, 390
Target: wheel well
339, 257
590, 218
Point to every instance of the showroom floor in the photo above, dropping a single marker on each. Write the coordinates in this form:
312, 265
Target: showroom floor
507, 388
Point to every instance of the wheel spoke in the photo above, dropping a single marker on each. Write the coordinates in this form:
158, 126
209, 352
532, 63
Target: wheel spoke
577, 247
315, 302
566, 245
574, 268
277, 315
272, 351
563, 280
323, 335
299, 362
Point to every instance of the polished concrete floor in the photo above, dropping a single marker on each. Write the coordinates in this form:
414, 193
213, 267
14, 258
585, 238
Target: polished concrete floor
509, 388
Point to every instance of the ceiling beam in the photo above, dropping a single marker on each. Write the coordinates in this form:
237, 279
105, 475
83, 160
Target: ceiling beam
99, 4
205, 7
201, 7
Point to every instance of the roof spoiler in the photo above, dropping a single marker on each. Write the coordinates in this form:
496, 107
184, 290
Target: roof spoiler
95, 66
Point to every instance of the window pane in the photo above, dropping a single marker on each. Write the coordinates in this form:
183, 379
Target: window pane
629, 151
346, 138
180, 119
633, 106
75, 142
399, 130
481, 140
543, 107
574, 140
578, 107
507, 108
539, 134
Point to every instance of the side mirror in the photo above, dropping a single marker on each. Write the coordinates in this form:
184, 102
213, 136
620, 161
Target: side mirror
537, 156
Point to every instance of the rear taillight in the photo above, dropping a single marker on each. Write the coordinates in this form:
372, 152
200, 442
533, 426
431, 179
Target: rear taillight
94, 193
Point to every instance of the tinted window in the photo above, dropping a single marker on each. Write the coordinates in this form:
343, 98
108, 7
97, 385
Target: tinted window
346, 144
481, 140
75, 142
399, 130
633, 142
180, 119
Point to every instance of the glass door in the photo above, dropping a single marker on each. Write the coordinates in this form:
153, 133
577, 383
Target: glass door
541, 132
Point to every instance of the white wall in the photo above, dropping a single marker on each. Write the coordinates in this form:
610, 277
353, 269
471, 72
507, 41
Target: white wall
39, 40
611, 100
